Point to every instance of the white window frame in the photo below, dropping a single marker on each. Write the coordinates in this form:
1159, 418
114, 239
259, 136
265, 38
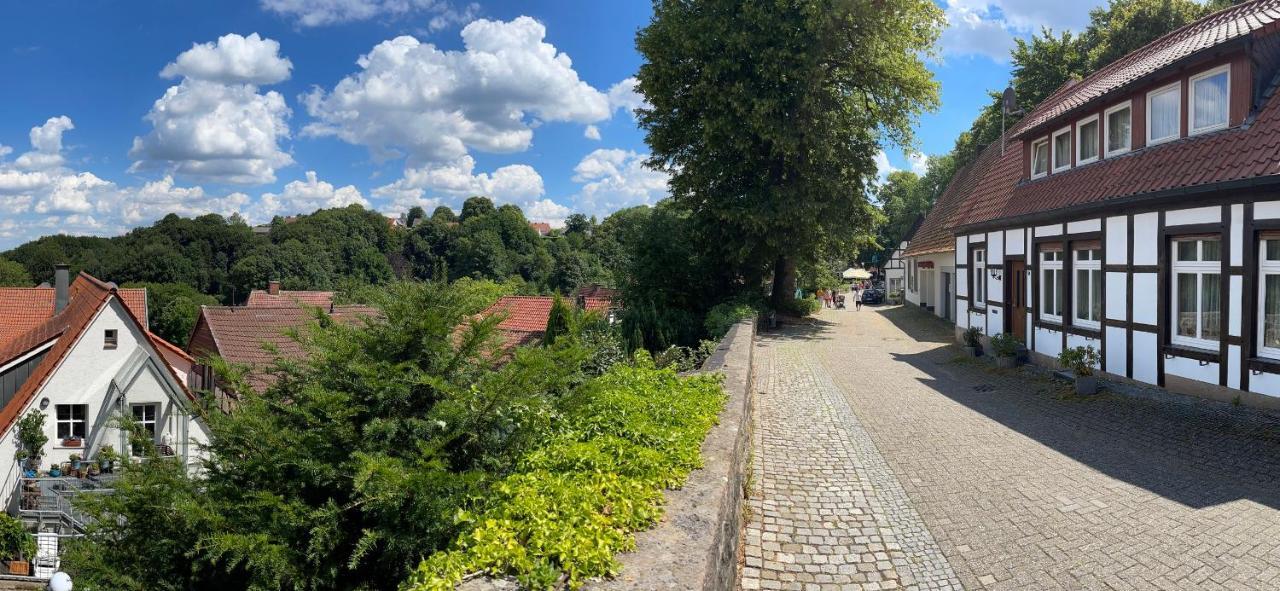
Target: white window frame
1197, 268
1091, 119
1191, 101
1048, 160
1053, 150
1265, 268
70, 422
979, 278
1090, 265
1106, 130
1055, 267
1176, 87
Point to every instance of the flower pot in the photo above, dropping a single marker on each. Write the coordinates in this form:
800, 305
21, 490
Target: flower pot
55, 473
18, 567
1006, 362
1086, 385
971, 351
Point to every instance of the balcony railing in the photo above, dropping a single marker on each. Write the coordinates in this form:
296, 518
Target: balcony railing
52, 498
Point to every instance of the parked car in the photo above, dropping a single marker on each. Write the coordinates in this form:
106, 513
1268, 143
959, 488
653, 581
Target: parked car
873, 296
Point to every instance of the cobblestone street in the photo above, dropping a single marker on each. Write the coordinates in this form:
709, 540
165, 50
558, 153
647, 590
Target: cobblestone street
883, 460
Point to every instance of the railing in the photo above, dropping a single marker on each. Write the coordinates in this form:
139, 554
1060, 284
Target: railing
53, 497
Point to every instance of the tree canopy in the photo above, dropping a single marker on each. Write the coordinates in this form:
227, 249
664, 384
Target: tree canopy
768, 116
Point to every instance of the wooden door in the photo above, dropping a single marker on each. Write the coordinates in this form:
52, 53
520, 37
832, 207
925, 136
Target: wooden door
1016, 295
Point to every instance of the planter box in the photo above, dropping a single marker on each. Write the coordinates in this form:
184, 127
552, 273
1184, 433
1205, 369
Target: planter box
1006, 362
18, 567
1086, 385
972, 351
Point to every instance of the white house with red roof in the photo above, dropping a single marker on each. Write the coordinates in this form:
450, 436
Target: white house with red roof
82, 355
1136, 212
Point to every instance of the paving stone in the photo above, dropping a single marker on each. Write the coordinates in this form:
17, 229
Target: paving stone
886, 460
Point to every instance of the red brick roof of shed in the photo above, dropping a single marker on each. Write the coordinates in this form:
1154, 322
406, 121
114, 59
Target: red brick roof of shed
1213, 30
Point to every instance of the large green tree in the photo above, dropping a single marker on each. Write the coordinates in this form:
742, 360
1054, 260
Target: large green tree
768, 115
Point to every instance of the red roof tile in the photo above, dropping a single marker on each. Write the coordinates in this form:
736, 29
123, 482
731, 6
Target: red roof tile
87, 295
244, 335
936, 232
24, 308
1213, 30
319, 299
524, 313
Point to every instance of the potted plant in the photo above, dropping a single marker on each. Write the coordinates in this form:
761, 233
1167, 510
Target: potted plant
72, 442
1005, 346
31, 439
17, 545
972, 341
55, 470
75, 462
107, 457
92, 469
1080, 360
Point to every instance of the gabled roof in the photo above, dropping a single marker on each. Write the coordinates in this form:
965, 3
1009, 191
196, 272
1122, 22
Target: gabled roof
86, 296
244, 335
1214, 30
936, 233
318, 299
527, 316
24, 308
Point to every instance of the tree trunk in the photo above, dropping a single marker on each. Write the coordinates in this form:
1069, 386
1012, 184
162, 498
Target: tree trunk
784, 281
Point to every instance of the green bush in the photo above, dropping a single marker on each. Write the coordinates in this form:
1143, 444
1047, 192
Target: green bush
1079, 359
972, 337
1005, 345
15, 541
724, 315
575, 501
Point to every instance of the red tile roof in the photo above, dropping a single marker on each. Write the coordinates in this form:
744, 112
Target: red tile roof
524, 313
245, 335
87, 295
1213, 30
542, 228
936, 232
319, 299
24, 308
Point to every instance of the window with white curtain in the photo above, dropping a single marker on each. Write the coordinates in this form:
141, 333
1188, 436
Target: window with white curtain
1163, 113
1051, 285
1209, 92
1062, 149
1197, 291
1269, 298
1040, 158
1088, 287
1119, 122
1087, 140
979, 278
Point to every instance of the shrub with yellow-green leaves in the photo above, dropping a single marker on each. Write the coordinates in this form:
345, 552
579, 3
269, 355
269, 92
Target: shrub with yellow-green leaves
576, 500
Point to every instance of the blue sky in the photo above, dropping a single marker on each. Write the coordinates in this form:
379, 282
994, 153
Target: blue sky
118, 112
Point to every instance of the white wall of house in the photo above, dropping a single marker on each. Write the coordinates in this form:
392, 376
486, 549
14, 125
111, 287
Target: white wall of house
935, 277
895, 271
1136, 333
84, 377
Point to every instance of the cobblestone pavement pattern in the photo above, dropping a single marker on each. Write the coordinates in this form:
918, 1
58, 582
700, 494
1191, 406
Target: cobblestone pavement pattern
883, 460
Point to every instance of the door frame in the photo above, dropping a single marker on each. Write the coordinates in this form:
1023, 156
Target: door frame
1009, 300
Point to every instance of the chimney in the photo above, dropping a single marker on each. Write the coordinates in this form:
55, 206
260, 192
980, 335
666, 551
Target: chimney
273, 287
61, 282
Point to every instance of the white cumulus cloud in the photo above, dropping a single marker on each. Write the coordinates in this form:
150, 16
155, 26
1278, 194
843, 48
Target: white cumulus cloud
623, 95
988, 27
316, 13
232, 60
215, 124
306, 196
613, 179
412, 98
592, 133
46, 144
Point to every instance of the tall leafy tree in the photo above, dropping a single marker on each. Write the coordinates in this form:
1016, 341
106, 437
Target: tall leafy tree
768, 114
13, 274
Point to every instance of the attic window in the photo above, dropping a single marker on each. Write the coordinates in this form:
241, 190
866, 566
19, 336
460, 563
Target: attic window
1039, 158
1062, 149
1119, 129
1164, 113
1087, 140
1209, 100
110, 338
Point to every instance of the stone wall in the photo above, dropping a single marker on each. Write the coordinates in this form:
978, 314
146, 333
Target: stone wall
11, 583
696, 544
